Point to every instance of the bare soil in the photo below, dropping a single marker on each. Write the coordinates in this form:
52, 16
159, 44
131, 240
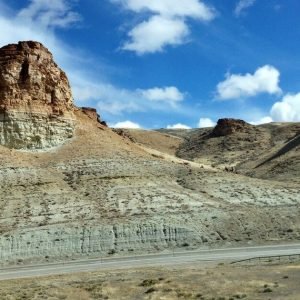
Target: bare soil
222, 282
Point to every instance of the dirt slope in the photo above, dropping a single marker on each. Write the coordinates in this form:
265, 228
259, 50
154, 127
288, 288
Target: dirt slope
102, 194
268, 151
162, 142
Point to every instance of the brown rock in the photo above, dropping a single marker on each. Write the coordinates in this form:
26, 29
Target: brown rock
91, 113
31, 81
36, 104
226, 127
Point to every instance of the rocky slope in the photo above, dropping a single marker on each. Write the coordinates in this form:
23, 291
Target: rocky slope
36, 105
165, 143
269, 151
101, 193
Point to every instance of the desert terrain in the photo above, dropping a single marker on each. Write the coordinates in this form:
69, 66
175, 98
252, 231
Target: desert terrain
102, 193
72, 188
268, 280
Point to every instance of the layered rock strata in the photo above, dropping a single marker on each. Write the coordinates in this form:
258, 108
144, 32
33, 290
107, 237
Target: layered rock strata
36, 104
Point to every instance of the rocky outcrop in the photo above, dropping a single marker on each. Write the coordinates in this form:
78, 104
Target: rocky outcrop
36, 104
229, 126
124, 134
93, 115
77, 241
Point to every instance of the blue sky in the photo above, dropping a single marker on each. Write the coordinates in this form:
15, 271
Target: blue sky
159, 63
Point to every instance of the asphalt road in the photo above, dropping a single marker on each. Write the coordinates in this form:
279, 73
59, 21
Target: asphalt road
88, 265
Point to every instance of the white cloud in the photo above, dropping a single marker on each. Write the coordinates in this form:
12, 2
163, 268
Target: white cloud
108, 98
169, 94
264, 80
38, 22
287, 110
167, 24
55, 13
178, 126
263, 120
171, 8
160, 32
206, 122
242, 5
126, 124
115, 101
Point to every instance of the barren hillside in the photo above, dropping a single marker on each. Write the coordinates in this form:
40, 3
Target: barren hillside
98, 192
269, 151
163, 142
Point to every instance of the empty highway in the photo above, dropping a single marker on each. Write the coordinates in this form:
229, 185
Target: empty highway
114, 263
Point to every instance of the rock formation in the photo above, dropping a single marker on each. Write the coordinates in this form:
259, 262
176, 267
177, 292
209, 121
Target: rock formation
91, 113
36, 105
229, 126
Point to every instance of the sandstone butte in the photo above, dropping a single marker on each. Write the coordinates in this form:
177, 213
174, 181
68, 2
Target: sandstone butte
36, 103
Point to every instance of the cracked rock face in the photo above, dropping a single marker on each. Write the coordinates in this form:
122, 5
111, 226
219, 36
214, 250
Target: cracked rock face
36, 104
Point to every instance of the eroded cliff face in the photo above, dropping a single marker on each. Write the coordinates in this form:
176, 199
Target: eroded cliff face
36, 104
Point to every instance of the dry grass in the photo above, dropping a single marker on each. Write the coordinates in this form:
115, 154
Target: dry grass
221, 282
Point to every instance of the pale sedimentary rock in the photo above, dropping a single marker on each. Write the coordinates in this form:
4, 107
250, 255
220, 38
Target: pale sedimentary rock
36, 104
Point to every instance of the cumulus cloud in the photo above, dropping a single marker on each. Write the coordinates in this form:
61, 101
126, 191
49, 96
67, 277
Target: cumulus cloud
167, 24
287, 110
178, 126
127, 124
169, 94
264, 80
206, 122
159, 32
242, 5
263, 120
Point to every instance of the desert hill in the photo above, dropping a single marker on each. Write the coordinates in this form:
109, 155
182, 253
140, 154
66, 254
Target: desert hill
98, 191
166, 143
268, 151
